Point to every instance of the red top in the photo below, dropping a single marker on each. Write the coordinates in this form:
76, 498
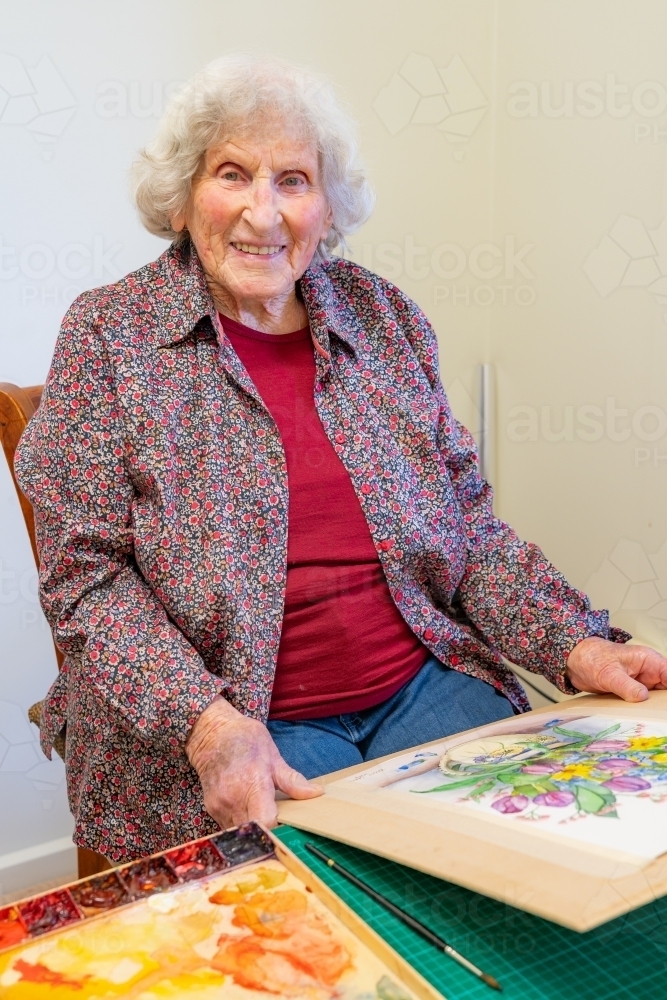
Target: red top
344, 644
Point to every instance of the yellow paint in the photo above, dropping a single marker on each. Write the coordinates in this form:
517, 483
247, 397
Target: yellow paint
573, 771
237, 937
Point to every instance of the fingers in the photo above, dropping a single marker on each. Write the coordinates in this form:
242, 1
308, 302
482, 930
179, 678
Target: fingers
259, 806
615, 680
628, 671
247, 797
653, 672
240, 768
293, 783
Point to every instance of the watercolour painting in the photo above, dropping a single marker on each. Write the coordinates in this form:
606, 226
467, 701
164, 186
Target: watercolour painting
254, 933
597, 783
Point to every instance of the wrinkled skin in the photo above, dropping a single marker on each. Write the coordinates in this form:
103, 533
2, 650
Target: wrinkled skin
600, 666
240, 768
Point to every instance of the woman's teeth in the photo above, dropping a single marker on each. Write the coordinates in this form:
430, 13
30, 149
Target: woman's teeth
247, 248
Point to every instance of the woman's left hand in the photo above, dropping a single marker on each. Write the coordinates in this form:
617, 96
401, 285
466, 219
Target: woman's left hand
600, 666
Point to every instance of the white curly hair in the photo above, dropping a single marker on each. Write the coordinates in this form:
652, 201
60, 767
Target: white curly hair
239, 94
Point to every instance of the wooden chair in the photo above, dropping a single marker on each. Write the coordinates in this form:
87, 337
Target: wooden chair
16, 408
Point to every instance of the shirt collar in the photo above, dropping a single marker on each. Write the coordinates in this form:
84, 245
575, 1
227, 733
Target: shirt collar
181, 294
329, 309
183, 299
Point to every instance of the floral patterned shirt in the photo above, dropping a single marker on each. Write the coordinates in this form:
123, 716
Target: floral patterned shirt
160, 492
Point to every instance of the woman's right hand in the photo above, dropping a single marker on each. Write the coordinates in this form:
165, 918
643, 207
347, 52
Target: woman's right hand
240, 768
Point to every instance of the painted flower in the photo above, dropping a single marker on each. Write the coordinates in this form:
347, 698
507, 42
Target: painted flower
556, 799
510, 803
544, 767
617, 763
627, 783
660, 758
647, 742
573, 771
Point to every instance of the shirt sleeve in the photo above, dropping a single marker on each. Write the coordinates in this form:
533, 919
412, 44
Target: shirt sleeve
114, 632
521, 604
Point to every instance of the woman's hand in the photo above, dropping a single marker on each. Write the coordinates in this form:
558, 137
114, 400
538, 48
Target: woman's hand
240, 768
629, 671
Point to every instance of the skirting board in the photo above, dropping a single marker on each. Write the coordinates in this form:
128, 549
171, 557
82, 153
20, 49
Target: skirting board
33, 869
577, 900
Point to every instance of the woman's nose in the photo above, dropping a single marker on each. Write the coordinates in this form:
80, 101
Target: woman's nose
262, 211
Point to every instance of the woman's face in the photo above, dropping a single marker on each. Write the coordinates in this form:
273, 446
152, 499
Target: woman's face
256, 214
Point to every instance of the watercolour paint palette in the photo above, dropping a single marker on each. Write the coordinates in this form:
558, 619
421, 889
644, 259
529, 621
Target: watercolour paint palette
234, 916
561, 812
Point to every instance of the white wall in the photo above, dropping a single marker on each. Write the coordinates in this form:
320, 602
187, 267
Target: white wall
532, 239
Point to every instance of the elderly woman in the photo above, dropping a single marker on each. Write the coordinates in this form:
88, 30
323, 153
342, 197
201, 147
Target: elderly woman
266, 549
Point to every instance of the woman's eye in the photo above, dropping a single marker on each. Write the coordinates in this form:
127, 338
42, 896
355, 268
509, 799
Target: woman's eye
293, 181
231, 175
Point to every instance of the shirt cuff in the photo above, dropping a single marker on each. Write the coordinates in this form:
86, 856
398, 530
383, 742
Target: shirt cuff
593, 625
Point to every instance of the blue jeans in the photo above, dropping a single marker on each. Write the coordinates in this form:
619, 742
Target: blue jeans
437, 702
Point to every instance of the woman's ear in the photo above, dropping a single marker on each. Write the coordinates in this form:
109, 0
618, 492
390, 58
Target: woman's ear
327, 224
178, 221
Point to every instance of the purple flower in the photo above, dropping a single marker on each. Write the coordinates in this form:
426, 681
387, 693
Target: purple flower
510, 803
617, 763
626, 783
544, 768
557, 799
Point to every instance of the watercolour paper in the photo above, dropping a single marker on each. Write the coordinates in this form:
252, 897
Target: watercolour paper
594, 783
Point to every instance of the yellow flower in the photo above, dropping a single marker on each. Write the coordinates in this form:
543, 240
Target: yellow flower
646, 742
660, 758
573, 771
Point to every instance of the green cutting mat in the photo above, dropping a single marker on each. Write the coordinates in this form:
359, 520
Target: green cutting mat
625, 959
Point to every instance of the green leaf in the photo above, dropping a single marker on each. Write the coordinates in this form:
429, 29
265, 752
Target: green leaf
482, 789
593, 786
570, 732
529, 790
545, 785
584, 738
588, 800
605, 732
519, 779
464, 783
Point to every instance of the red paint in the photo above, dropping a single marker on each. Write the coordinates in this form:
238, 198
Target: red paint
12, 930
196, 861
46, 913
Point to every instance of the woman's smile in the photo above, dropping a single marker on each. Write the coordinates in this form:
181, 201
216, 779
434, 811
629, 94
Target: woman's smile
255, 250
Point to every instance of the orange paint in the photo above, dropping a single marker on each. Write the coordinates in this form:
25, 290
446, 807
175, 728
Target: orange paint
288, 950
39, 973
12, 930
271, 939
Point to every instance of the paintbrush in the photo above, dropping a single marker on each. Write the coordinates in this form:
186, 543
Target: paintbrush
405, 918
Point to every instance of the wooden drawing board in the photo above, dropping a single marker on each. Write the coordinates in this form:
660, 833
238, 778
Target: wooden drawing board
548, 886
